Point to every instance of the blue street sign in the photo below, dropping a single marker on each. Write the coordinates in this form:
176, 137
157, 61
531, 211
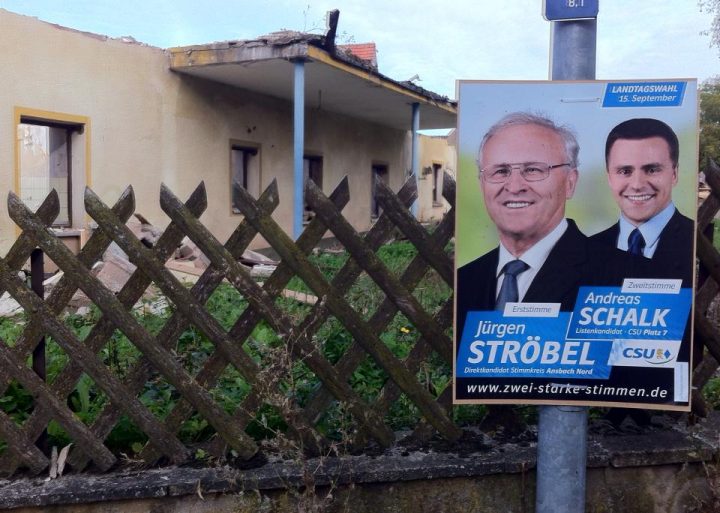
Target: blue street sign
561, 10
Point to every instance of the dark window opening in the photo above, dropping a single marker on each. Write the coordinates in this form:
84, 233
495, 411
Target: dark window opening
379, 174
437, 184
244, 172
312, 170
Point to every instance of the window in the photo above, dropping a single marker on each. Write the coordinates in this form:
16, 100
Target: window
379, 174
46, 161
437, 184
244, 172
312, 170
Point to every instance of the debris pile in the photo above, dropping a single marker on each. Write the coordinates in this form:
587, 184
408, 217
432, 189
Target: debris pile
115, 268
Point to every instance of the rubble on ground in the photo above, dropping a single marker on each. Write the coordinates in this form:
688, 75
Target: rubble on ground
114, 269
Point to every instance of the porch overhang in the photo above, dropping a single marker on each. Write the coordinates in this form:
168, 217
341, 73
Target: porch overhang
333, 81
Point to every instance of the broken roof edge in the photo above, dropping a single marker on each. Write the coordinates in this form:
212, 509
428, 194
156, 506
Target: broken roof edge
130, 40
360, 67
290, 45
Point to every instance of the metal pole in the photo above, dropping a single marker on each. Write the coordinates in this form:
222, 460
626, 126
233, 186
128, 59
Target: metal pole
415, 152
572, 50
298, 148
562, 430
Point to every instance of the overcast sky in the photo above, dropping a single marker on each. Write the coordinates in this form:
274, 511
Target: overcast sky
440, 41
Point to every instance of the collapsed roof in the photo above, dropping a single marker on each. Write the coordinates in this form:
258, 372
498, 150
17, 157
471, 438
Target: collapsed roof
336, 79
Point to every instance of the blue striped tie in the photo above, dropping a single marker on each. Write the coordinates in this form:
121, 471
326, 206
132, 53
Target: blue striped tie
636, 243
509, 289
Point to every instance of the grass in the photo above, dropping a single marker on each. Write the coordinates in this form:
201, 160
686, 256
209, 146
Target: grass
296, 385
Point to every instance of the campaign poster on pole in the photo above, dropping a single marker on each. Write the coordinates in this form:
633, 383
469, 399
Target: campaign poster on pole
575, 257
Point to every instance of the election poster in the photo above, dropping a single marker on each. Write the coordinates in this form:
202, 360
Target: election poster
574, 256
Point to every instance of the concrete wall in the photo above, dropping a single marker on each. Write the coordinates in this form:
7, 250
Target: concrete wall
435, 152
668, 467
145, 125
679, 488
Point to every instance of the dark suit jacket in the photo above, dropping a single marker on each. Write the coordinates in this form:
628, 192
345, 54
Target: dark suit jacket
574, 261
673, 257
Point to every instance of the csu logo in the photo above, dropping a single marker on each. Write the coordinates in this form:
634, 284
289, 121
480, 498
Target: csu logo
652, 355
644, 353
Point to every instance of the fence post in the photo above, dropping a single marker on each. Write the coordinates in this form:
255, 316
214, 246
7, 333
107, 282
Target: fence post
37, 276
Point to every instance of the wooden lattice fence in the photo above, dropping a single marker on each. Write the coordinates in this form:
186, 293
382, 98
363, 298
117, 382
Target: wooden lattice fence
196, 390
707, 332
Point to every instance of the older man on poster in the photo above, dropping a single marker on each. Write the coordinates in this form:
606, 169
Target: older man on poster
641, 157
528, 170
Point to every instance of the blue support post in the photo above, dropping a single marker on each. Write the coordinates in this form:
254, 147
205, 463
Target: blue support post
298, 147
415, 155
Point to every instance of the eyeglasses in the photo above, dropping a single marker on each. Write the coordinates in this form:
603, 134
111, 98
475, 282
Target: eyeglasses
530, 171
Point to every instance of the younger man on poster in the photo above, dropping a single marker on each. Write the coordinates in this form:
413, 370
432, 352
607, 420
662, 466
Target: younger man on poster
641, 158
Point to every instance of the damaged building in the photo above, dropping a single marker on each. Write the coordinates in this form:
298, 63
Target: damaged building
81, 109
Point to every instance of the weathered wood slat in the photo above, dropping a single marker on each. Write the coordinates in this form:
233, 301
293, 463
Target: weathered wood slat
160, 358
709, 257
704, 371
177, 323
90, 363
385, 312
85, 440
707, 367
707, 212
413, 273
173, 289
61, 294
17, 256
418, 355
342, 282
156, 354
705, 295
449, 186
372, 265
23, 246
711, 336
264, 304
711, 204
130, 293
299, 428
63, 291
701, 375
250, 317
411, 228
23, 450
350, 319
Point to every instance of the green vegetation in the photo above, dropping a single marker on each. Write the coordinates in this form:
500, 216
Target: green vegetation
709, 121
297, 382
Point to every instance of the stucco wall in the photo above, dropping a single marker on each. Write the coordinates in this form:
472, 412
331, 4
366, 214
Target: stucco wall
148, 125
434, 151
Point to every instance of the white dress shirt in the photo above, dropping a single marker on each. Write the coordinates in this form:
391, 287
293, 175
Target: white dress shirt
534, 257
650, 229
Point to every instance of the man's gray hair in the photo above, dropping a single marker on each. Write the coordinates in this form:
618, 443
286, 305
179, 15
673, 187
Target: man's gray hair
525, 118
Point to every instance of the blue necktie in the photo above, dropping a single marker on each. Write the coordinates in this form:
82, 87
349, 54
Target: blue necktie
636, 243
509, 289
